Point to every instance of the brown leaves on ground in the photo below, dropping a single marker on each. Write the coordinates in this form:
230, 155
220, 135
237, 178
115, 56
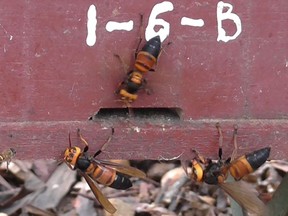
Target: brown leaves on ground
47, 188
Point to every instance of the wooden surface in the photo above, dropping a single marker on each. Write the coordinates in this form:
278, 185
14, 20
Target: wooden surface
52, 81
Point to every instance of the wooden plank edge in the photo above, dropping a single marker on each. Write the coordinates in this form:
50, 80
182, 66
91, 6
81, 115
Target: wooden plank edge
134, 139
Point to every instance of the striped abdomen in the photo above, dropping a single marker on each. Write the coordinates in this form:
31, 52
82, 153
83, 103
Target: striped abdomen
147, 57
144, 61
248, 163
109, 177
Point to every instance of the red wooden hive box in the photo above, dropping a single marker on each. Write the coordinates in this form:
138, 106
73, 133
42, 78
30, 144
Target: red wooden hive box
228, 62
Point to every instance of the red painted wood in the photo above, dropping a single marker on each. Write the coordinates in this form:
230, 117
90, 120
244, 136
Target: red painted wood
51, 81
144, 140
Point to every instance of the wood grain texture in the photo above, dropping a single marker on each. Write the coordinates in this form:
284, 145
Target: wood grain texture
51, 81
145, 140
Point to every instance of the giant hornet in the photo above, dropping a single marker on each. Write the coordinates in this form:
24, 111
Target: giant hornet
145, 59
104, 172
215, 173
7, 155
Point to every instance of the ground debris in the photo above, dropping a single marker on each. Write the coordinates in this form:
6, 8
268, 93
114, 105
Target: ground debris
47, 188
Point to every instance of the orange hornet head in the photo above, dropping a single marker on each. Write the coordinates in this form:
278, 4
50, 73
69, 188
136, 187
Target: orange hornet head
197, 171
71, 155
126, 96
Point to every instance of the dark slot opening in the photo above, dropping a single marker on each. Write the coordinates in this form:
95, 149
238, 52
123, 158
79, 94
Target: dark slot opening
142, 113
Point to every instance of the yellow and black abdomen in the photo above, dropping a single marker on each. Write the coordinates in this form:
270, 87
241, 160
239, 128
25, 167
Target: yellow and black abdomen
144, 61
147, 57
248, 163
109, 177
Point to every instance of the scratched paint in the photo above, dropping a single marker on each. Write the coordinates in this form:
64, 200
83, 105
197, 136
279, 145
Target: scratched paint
91, 25
37, 104
6, 32
192, 22
125, 26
